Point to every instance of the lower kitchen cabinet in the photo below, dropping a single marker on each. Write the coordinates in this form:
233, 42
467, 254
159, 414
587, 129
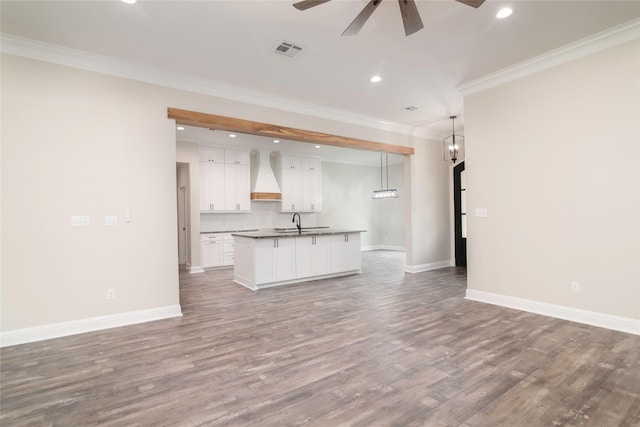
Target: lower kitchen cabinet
216, 249
265, 260
313, 256
345, 252
271, 261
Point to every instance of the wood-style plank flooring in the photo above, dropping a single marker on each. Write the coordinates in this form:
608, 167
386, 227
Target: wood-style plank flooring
382, 348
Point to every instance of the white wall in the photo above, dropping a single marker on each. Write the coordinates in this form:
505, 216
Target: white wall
77, 142
554, 158
428, 211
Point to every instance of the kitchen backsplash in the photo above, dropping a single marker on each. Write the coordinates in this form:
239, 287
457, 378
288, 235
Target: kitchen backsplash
262, 215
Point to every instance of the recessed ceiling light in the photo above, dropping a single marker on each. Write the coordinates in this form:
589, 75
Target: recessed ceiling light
232, 135
180, 128
276, 141
317, 146
375, 79
129, 1
504, 12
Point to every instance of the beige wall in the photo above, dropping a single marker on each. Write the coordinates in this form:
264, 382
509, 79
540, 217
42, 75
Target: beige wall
81, 143
427, 222
554, 158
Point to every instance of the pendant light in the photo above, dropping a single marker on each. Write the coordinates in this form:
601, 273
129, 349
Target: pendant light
453, 145
388, 193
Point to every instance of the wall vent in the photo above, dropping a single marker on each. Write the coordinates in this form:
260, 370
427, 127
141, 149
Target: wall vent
288, 49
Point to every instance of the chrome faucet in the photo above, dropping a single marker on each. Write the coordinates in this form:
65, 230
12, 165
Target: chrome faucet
297, 223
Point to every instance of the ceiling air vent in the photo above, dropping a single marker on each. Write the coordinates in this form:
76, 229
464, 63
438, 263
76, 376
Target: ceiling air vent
411, 108
288, 49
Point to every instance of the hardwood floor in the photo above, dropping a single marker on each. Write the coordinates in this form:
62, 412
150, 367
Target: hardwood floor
382, 348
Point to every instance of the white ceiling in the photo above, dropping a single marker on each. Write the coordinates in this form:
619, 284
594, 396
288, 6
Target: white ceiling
231, 42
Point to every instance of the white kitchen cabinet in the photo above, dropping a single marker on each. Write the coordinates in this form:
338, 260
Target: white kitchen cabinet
313, 256
216, 249
212, 154
212, 186
267, 260
300, 180
236, 157
345, 252
237, 196
211, 254
225, 184
291, 189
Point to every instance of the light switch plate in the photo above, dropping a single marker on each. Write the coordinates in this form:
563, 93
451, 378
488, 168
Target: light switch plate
111, 220
79, 221
482, 212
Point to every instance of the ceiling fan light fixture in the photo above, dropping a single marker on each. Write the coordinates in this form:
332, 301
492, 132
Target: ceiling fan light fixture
504, 12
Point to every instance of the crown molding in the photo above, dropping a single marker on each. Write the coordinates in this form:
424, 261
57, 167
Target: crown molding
19, 46
595, 43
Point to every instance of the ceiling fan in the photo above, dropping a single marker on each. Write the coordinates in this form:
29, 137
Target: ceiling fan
408, 10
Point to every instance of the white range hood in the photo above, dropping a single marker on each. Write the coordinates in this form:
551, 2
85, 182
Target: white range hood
264, 186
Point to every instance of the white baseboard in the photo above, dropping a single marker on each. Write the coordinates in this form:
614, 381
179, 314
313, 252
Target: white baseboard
593, 318
56, 330
195, 269
383, 248
427, 267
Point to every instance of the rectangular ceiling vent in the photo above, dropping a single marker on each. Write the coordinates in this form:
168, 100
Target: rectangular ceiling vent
288, 49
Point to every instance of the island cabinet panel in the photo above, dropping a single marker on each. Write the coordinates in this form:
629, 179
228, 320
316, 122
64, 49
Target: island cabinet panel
313, 256
345, 252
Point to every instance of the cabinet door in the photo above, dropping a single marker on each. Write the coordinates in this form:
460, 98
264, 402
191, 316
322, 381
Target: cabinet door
211, 154
236, 157
237, 188
212, 186
291, 187
263, 260
243, 187
311, 190
211, 253
284, 259
345, 252
313, 256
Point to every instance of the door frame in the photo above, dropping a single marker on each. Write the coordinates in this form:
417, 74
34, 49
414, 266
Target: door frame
460, 243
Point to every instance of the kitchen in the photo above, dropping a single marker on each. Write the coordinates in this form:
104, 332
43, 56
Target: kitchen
346, 179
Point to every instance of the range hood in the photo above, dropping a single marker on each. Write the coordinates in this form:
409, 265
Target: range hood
263, 182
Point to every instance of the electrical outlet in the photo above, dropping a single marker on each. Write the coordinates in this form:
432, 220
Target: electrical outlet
111, 294
575, 287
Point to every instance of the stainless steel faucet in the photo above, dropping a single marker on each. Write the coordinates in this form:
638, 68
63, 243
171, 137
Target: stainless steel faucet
298, 224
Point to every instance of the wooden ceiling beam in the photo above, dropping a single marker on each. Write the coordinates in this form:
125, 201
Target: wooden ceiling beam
192, 118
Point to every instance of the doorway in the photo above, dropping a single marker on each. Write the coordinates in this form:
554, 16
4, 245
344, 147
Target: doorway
460, 214
183, 227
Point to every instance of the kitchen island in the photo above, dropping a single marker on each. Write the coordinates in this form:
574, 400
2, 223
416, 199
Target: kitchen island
273, 258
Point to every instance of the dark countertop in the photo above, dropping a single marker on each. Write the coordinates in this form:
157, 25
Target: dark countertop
228, 231
311, 232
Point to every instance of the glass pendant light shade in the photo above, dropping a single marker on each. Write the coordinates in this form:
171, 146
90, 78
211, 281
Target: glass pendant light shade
453, 145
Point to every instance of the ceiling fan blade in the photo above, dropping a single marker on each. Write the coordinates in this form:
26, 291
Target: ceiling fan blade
307, 4
362, 17
472, 3
410, 16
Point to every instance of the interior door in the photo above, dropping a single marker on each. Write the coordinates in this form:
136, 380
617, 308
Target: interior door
460, 214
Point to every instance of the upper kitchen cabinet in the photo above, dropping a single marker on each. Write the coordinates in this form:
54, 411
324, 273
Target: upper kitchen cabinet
212, 154
224, 180
300, 180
